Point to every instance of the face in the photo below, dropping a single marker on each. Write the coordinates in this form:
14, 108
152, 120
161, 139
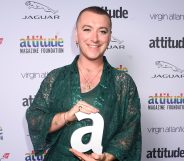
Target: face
93, 33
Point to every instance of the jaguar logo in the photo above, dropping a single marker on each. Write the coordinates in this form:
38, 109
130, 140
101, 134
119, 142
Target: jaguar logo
163, 64
36, 5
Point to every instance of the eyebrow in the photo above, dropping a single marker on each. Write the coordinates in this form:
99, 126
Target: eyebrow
92, 27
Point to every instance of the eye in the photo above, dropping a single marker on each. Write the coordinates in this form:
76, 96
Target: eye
103, 32
86, 29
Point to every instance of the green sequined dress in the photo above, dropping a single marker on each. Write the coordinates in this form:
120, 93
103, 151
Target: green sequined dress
115, 96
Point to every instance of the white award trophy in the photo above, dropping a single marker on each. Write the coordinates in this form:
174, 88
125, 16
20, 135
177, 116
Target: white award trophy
96, 131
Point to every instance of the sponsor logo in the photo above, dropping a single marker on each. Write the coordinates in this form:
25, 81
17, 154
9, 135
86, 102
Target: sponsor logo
27, 101
166, 42
172, 70
116, 44
40, 17
125, 69
168, 129
33, 75
1, 40
5, 156
40, 44
162, 64
1, 133
116, 13
32, 157
46, 9
156, 153
36, 5
165, 101
165, 16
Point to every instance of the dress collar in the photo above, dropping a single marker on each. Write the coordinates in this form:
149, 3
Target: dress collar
105, 82
74, 68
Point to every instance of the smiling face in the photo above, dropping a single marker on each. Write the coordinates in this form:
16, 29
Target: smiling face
93, 34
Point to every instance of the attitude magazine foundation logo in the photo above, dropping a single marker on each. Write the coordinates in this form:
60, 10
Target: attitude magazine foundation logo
5, 156
1, 40
48, 12
40, 44
122, 68
166, 101
32, 157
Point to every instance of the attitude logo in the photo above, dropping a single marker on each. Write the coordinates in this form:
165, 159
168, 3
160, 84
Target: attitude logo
122, 68
1, 40
160, 153
38, 6
117, 13
116, 44
40, 44
1, 133
33, 75
168, 70
5, 156
166, 42
165, 101
32, 157
27, 101
167, 17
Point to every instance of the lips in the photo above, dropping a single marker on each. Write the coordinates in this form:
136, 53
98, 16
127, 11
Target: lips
93, 46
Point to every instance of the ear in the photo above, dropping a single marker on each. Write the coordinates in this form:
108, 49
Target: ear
76, 35
110, 36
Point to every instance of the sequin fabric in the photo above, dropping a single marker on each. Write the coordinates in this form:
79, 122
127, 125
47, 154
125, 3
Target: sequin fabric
117, 99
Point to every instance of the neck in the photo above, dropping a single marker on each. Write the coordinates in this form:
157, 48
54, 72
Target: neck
90, 65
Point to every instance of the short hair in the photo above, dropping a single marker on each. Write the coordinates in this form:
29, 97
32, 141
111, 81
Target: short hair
97, 10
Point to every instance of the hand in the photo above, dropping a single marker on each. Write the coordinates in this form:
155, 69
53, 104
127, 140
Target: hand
88, 157
81, 106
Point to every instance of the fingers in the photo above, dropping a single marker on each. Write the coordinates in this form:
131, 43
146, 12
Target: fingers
95, 156
87, 157
81, 106
86, 108
98, 156
81, 156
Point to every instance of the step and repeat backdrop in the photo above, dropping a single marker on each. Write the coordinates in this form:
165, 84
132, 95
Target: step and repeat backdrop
147, 42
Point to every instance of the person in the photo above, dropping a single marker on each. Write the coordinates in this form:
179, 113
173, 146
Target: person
89, 85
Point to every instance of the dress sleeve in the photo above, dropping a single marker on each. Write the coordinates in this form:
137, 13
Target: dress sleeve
126, 144
39, 116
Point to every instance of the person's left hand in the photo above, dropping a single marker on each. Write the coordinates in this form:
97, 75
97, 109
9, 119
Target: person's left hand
88, 157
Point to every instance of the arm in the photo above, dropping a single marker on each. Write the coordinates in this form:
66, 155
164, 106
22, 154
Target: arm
62, 118
126, 144
39, 116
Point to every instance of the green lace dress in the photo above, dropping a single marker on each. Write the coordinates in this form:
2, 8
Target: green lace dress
115, 96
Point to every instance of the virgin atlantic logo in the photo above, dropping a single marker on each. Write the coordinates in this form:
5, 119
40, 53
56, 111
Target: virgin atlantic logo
1, 133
